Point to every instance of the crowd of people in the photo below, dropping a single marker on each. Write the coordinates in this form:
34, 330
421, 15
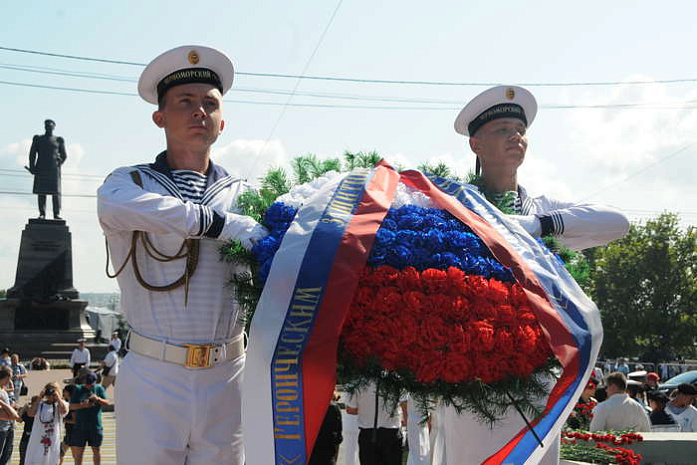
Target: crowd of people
58, 420
633, 401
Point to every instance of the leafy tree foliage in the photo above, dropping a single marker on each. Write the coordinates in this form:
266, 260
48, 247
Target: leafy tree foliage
646, 288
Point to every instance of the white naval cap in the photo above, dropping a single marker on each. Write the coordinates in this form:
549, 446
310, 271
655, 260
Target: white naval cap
185, 65
637, 374
494, 103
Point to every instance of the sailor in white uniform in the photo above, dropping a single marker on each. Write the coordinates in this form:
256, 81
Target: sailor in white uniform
496, 122
179, 386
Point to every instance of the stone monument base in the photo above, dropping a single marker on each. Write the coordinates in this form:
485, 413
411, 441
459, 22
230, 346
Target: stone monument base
48, 329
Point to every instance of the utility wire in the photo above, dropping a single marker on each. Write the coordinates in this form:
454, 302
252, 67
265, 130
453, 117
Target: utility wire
642, 170
367, 80
325, 95
62, 195
690, 104
295, 87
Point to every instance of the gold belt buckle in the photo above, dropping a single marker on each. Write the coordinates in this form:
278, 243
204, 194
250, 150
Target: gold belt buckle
198, 356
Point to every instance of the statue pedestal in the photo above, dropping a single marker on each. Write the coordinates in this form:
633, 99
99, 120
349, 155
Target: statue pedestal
45, 265
43, 329
42, 309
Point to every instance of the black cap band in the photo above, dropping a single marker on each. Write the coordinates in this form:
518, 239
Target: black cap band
189, 76
502, 110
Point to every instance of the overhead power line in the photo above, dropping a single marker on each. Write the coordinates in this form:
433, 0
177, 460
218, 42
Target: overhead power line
642, 170
24, 173
369, 80
688, 105
643, 213
342, 96
297, 82
62, 195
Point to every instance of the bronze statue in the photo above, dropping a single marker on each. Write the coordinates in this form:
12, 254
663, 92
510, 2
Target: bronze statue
46, 156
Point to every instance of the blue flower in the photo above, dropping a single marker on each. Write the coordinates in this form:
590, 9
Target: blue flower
431, 221
434, 240
443, 261
384, 237
279, 216
410, 221
377, 255
264, 270
407, 238
398, 257
266, 248
389, 224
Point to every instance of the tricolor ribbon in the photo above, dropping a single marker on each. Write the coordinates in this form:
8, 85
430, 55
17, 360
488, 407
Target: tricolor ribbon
569, 319
291, 361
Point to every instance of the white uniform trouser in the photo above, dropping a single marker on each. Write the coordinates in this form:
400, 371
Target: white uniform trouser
417, 434
170, 415
437, 436
350, 433
464, 437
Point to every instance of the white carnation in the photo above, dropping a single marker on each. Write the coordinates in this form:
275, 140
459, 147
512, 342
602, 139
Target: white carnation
407, 195
300, 193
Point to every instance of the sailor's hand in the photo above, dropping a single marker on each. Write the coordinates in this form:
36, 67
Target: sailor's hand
529, 223
251, 235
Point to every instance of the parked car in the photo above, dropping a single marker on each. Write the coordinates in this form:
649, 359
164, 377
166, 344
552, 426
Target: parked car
687, 377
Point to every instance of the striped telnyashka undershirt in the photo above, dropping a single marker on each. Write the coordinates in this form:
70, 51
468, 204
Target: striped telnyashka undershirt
191, 184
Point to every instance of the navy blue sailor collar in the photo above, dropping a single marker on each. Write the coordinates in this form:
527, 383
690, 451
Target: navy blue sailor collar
214, 173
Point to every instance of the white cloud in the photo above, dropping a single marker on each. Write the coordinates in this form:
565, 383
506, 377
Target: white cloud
16, 154
76, 153
250, 159
622, 140
542, 178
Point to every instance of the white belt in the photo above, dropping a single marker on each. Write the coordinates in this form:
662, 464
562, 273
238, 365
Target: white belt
189, 355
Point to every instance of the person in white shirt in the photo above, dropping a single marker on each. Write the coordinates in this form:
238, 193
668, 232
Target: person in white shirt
80, 357
179, 395
681, 408
115, 341
380, 437
110, 367
619, 412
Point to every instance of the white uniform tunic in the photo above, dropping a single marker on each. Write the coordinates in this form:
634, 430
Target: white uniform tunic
158, 209
168, 414
80, 356
116, 342
577, 226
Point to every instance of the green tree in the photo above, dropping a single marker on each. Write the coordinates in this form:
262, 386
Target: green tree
439, 169
646, 288
361, 160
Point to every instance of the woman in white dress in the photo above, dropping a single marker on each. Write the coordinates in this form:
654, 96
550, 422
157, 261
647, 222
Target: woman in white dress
45, 439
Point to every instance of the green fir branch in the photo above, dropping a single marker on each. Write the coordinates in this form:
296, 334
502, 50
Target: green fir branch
488, 402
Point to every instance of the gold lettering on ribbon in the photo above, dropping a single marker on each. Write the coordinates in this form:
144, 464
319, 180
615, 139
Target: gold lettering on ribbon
286, 365
344, 201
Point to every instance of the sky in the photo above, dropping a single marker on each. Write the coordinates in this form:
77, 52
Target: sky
615, 81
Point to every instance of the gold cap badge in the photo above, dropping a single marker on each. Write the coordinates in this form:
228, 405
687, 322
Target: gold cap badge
510, 93
193, 57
